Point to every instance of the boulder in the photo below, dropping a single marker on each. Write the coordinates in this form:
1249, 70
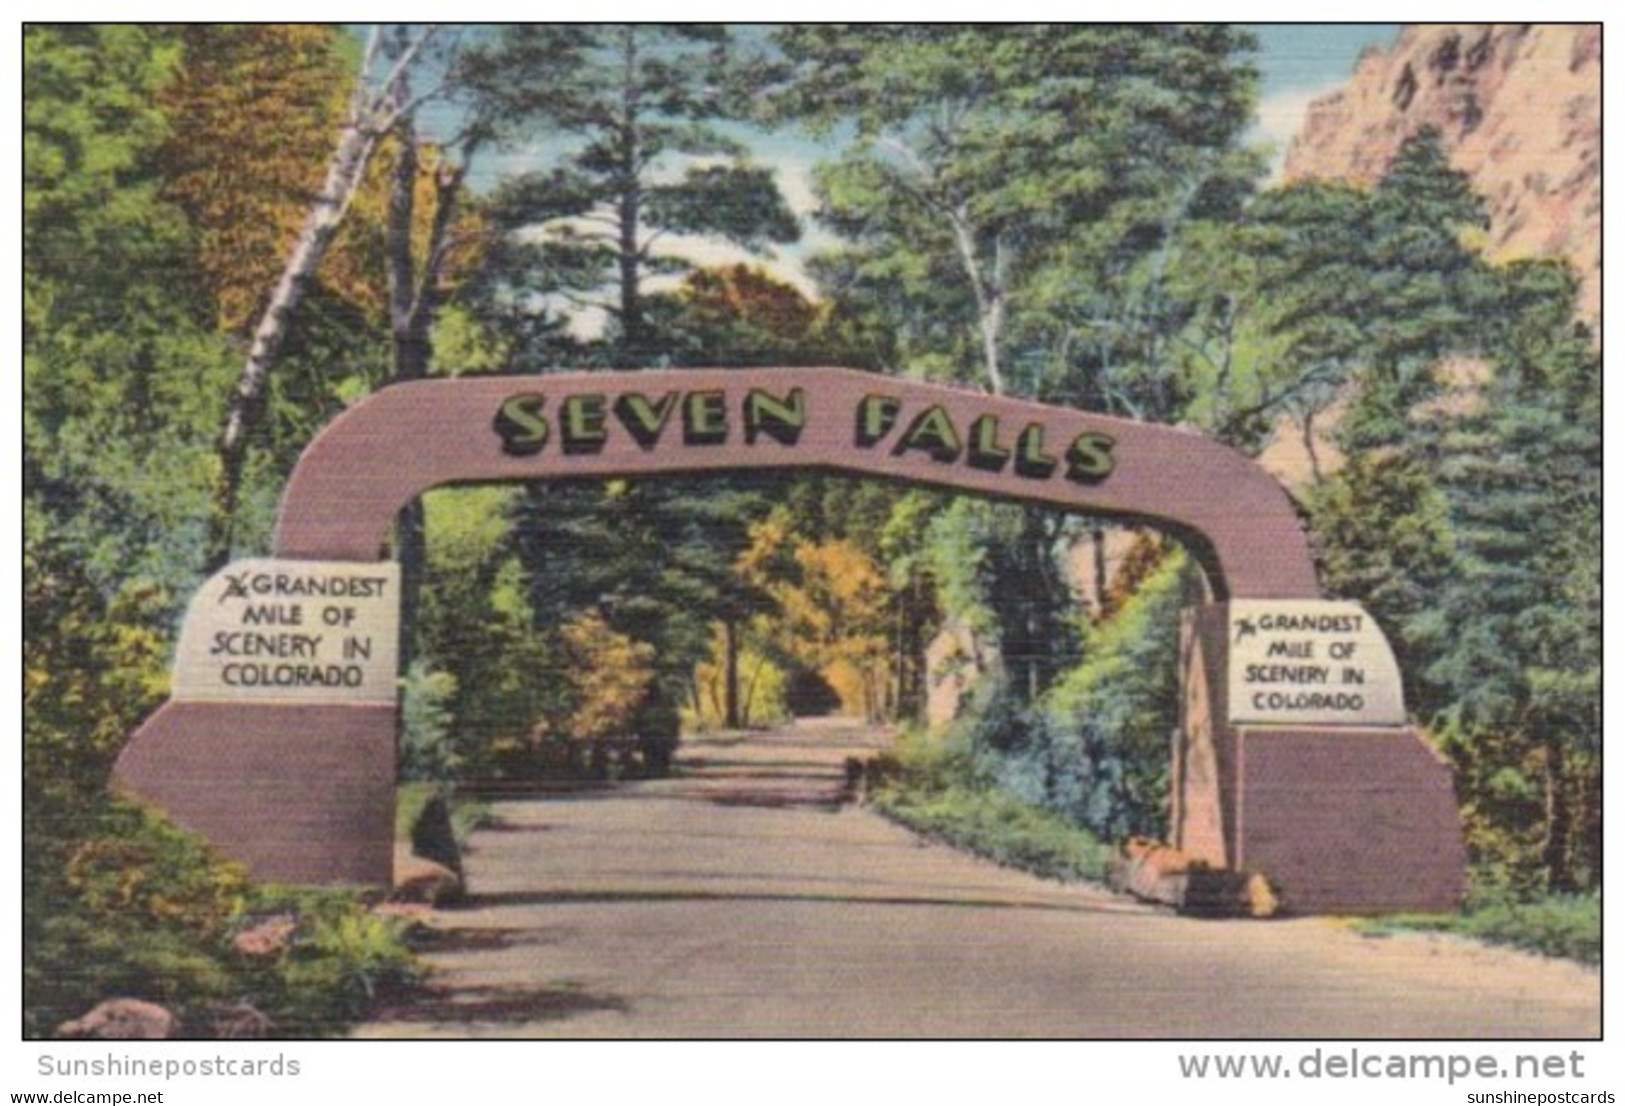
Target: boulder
267, 939
1163, 874
420, 880
123, 1019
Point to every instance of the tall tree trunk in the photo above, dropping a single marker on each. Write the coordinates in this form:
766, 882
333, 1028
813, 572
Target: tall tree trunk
750, 691
373, 111
899, 650
410, 361
987, 281
413, 301
1309, 447
629, 209
730, 635
1555, 846
1097, 541
694, 692
247, 400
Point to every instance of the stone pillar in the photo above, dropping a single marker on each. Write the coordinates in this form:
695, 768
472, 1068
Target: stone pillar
278, 741
1347, 810
296, 793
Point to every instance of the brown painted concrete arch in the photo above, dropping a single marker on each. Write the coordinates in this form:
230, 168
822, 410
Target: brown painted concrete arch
353, 479
1342, 817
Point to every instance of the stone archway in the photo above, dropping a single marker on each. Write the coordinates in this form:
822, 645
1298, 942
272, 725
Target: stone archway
278, 742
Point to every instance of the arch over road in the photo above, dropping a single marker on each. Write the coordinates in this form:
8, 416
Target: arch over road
1293, 755
401, 441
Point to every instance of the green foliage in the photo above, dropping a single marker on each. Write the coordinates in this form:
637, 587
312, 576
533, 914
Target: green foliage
1568, 926
1008, 190
937, 791
132, 907
341, 960
141, 868
427, 752
1106, 726
90, 128
476, 627
1392, 496
1057, 212
126, 368
136, 908
1468, 517
639, 105
1094, 748
123, 376
997, 568
655, 559
91, 669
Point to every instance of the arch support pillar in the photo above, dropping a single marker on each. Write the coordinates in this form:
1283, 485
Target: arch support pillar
1347, 812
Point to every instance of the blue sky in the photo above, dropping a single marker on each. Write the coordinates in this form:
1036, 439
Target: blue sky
1298, 62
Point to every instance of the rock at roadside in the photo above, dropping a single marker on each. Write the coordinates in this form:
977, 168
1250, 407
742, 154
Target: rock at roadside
418, 879
1162, 874
122, 1019
266, 940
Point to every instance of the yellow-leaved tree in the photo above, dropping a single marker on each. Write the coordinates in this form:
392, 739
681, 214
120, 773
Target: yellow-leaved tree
609, 676
833, 611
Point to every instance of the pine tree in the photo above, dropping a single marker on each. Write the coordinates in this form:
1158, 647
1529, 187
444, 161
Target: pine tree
633, 104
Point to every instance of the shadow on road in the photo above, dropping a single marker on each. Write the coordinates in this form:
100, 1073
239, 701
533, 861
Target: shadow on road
495, 1006
562, 898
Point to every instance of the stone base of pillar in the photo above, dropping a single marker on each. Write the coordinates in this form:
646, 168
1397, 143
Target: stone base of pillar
298, 794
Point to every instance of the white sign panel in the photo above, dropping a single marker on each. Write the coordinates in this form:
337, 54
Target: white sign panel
1311, 662
265, 630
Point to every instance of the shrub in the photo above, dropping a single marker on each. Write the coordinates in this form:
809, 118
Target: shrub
427, 751
1103, 733
140, 909
340, 960
941, 789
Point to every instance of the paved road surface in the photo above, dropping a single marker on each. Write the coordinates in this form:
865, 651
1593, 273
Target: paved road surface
742, 900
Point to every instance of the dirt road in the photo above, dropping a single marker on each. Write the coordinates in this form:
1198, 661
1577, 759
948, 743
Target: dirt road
742, 900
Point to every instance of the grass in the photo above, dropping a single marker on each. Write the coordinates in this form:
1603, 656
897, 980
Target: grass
935, 790
1567, 926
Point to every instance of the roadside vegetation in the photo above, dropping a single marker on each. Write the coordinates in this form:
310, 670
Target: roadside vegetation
1568, 926
935, 788
138, 909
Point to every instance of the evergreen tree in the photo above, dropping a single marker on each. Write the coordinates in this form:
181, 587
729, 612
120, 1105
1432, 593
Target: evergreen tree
1514, 632
630, 105
985, 159
1468, 516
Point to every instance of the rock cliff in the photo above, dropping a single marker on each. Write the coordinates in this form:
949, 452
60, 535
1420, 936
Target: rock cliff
1518, 105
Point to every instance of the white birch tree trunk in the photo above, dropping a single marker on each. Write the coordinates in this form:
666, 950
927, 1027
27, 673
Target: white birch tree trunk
373, 111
